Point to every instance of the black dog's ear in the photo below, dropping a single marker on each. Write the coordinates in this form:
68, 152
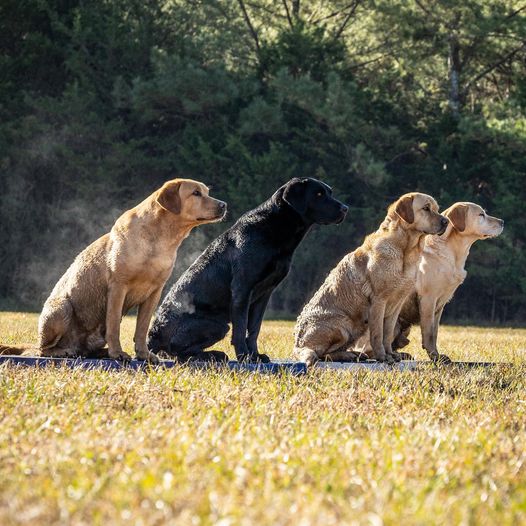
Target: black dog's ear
294, 195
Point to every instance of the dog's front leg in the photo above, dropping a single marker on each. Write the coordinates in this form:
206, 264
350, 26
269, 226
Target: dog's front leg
144, 315
114, 305
427, 305
389, 330
376, 327
255, 318
442, 358
389, 326
239, 316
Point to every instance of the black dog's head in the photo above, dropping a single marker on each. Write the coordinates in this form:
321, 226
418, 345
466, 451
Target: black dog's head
313, 200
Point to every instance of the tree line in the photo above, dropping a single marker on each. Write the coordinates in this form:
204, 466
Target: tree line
102, 101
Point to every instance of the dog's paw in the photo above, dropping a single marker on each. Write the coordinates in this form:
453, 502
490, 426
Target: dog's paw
147, 356
360, 356
396, 356
254, 358
119, 355
406, 356
217, 356
389, 359
262, 358
381, 357
442, 359
308, 356
61, 353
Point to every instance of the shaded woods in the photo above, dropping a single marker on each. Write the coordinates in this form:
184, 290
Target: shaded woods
100, 102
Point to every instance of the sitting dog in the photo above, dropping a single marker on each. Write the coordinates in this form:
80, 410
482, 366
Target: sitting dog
441, 270
368, 287
126, 268
233, 279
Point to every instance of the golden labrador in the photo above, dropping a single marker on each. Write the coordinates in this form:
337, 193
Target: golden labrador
125, 268
441, 269
369, 286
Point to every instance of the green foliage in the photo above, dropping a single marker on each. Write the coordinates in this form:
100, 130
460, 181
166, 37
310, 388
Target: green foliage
100, 102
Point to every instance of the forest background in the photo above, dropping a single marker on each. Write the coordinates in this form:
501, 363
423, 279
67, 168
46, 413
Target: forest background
102, 101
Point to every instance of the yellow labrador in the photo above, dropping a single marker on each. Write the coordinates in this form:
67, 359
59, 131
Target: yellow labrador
441, 269
369, 286
125, 268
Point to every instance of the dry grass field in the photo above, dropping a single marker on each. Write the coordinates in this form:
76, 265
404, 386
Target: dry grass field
440, 446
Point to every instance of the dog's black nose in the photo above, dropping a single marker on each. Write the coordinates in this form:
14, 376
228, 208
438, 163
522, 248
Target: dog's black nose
502, 223
444, 221
221, 205
344, 209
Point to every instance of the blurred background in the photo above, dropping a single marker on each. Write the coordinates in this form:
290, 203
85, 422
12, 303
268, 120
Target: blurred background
102, 101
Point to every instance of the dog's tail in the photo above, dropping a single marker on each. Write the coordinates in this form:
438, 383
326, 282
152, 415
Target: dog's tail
16, 350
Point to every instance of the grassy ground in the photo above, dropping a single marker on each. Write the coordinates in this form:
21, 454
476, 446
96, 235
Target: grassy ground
333, 447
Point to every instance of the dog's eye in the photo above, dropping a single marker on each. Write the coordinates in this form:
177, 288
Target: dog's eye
319, 194
197, 193
482, 214
426, 208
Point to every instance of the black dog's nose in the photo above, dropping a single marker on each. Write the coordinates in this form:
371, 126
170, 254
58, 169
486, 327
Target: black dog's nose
344, 209
444, 221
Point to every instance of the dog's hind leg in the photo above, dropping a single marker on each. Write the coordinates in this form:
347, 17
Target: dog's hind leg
193, 335
320, 342
55, 323
304, 354
346, 356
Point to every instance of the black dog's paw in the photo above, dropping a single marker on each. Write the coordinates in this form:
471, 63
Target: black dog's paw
216, 356
208, 356
262, 358
253, 358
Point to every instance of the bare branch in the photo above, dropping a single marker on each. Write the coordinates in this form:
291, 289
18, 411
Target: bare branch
470, 50
334, 13
264, 8
288, 13
347, 18
516, 12
371, 61
424, 8
253, 32
493, 66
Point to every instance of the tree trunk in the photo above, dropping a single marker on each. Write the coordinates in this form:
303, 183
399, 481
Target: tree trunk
493, 304
296, 8
454, 75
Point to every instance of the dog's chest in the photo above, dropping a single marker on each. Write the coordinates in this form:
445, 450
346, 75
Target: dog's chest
455, 279
272, 275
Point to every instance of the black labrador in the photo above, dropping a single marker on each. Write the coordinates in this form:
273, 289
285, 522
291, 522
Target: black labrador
232, 280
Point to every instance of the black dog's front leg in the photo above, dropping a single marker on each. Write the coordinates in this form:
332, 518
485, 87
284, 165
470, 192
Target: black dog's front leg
255, 318
239, 315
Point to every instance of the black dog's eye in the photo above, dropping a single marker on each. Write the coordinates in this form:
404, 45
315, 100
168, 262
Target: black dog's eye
197, 193
319, 194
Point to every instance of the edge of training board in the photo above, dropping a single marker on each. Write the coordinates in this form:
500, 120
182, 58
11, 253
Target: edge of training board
295, 368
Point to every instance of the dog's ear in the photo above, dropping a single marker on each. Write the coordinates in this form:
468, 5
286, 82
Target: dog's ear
169, 197
404, 209
457, 216
295, 195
